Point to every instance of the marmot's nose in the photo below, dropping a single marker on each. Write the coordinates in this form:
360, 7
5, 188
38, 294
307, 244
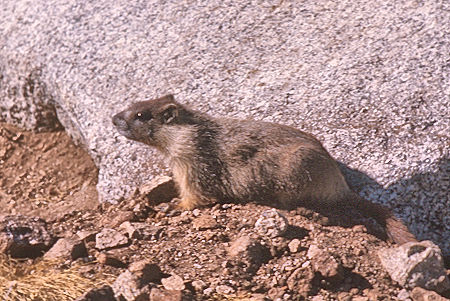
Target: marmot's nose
118, 119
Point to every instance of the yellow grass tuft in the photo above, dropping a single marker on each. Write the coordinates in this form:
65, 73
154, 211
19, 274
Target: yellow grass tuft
43, 281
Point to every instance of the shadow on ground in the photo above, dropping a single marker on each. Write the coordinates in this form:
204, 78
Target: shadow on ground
427, 191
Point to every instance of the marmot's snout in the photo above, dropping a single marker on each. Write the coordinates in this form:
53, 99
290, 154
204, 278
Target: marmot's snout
118, 120
122, 126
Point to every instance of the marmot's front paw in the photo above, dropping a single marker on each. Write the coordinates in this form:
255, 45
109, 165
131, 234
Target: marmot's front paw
188, 203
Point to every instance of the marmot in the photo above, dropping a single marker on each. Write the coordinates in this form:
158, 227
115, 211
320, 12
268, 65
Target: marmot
231, 160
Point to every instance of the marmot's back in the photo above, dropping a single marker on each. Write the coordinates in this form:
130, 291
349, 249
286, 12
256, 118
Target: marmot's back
267, 160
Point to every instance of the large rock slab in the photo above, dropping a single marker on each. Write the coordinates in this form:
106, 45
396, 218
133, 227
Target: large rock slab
371, 79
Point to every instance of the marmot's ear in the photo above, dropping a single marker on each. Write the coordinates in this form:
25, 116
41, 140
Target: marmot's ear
169, 97
169, 113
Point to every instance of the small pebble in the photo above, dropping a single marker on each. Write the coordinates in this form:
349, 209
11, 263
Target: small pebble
294, 245
173, 283
224, 290
209, 291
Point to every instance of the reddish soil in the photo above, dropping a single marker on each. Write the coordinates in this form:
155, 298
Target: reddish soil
42, 172
46, 175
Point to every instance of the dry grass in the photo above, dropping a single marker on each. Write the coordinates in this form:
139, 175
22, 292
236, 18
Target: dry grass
43, 281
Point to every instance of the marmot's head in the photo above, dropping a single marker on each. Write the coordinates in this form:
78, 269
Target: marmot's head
147, 121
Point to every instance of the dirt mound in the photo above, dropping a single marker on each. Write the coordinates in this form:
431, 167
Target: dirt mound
43, 173
219, 252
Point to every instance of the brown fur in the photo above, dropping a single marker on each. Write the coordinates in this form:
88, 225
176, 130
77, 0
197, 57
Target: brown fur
222, 160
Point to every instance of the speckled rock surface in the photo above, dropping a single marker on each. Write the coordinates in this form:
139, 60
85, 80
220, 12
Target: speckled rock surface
370, 79
24, 237
416, 264
271, 223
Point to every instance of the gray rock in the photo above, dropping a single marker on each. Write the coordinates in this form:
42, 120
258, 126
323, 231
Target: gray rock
86, 235
132, 285
108, 259
199, 285
141, 230
301, 280
271, 223
420, 294
67, 248
160, 189
355, 298
205, 222
403, 295
248, 252
208, 291
276, 293
119, 218
377, 97
146, 271
294, 245
127, 286
22, 236
110, 238
173, 283
258, 297
104, 293
416, 264
324, 263
225, 290
373, 294
344, 296
157, 294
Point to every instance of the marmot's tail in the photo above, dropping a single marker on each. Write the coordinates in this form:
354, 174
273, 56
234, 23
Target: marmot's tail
395, 228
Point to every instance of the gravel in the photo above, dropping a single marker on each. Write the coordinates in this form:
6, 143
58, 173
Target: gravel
370, 79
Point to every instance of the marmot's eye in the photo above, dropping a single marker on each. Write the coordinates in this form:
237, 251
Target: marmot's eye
143, 116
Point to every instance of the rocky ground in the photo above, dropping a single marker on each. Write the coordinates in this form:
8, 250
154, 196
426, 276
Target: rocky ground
146, 249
